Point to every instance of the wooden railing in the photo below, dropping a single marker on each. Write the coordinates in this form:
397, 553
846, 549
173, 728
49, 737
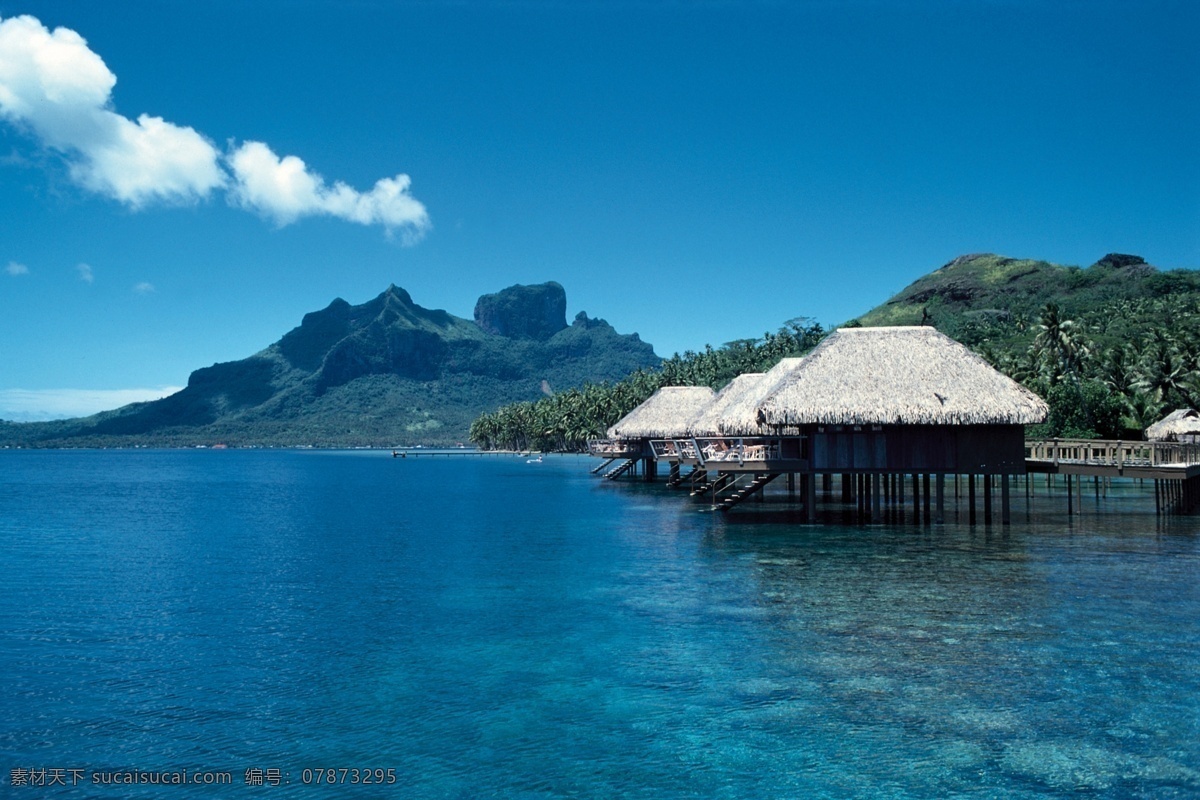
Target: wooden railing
613, 448
1112, 453
665, 448
721, 450
739, 450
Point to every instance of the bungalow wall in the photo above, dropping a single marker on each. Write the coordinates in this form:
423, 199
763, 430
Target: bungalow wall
953, 449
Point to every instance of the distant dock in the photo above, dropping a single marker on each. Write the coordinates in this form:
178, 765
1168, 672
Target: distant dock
459, 452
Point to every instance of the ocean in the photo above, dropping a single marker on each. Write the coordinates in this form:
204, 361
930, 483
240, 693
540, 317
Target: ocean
344, 624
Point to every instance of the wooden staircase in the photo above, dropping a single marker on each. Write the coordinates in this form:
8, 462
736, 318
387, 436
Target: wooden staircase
617, 472
677, 477
717, 484
602, 466
751, 488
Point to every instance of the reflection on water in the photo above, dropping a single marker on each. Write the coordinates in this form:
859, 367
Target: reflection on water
489, 627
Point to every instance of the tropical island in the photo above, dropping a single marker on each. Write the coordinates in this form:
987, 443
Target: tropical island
1111, 347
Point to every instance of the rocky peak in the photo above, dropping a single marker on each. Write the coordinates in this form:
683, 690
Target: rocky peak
1120, 261
524, 312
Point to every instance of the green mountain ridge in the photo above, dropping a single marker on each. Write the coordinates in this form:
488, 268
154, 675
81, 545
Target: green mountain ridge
385, 372
985, 283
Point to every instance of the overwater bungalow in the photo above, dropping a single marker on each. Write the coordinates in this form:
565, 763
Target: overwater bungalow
664, 415
682, 448
1181, 425
880, 406
685, 450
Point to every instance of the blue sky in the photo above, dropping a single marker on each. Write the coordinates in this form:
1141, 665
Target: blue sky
181, 182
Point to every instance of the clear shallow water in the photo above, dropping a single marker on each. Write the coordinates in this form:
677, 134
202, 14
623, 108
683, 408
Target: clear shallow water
491, 628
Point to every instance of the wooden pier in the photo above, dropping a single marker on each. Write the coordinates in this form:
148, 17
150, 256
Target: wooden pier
725, 472
1173, 467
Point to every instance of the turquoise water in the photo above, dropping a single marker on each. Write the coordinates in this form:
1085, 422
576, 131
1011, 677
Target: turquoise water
486, 627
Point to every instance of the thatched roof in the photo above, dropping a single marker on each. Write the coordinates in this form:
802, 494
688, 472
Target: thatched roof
898, 376
665, 414
740, 418
707, 422
1180, 422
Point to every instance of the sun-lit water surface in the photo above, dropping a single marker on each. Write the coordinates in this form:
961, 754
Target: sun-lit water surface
491, 628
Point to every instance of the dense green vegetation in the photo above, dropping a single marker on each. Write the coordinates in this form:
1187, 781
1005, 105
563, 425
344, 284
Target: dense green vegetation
1112, 348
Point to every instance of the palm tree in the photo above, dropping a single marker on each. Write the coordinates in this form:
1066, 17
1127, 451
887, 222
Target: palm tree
1058, 345
1165, 371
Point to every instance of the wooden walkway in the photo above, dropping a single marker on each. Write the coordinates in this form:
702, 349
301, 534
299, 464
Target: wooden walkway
718, 467
1174, 467
1110, 459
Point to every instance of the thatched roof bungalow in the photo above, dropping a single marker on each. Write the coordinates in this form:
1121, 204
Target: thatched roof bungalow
902, 400
736, 392
1181, 425
898, 376
740, 416
664, 415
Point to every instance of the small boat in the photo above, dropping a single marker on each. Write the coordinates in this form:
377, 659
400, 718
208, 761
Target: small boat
537, 460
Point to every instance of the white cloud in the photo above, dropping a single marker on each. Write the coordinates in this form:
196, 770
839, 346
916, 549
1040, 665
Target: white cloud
15, 269
53, 85
285, 189
85, 273
34, 405
144, 287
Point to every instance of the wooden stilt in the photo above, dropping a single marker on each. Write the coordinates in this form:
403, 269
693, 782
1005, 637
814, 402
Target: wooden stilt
1005, 515
875, 498
987, 499
810, 496
941, 498
1070, 507
916, 499
925, 493
971, 497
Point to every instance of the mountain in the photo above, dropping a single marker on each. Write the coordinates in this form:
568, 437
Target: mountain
387, 372
975, 290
